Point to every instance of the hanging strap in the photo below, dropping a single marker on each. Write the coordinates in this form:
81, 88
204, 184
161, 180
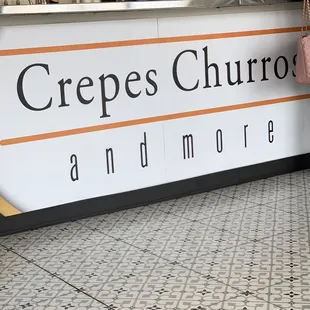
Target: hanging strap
305, 17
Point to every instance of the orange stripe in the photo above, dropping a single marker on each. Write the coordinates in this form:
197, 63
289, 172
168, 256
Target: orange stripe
91, 46
149, 120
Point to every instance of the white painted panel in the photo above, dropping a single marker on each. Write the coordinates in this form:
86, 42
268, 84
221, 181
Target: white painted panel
36, 174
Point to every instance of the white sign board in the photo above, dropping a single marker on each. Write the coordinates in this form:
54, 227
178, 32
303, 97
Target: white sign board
94, 109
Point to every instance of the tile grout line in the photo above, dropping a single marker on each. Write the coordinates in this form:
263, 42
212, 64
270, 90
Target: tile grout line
231, 212
108, 306
256, 203
187, 268
271, 267
247, 240
193, 270
196, 256
255, 242
54, 276
307, 212
234, 254
207, 226
117, 239
189, 220
261, 240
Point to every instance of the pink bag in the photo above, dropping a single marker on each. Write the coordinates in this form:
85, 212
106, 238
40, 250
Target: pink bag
303, 54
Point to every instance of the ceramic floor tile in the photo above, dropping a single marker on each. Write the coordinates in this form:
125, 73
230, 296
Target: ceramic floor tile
287, 295
6, 258
104, 221
25, 286
293, 241
265, 221
303, 177
24, 240
295, 178
229, 222
120, 221
186, 241
245, 301
166, 287
52, 236
244, 247
306, 186
77, 301
206, 205
252, 273
249, 266
260, 222
297, 205
90, 269
55, 242
262, 191
23, 279
137, 222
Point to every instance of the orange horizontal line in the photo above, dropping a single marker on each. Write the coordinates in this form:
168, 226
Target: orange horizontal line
91, 46
148, 120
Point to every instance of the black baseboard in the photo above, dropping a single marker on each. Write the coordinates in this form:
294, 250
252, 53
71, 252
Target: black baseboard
111, 203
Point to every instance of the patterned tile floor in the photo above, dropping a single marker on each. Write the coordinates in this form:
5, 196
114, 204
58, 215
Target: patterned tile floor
243, 247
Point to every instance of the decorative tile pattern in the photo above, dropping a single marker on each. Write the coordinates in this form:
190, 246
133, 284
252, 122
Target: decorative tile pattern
295, 242
244, 247
265, 221
295, 178
293, 205
251, 266
166, 287
55, 241
134, 222
93, 268
246, 301
287, 295
187, 241
25, 286
263, 191
6, 258
203, 206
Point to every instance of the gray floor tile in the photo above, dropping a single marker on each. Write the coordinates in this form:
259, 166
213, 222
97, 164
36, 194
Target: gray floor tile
296, 205
295, 178
55, 240
250, 266
265, 221
134, 222
166, 287
186, 241
202, 206
295, 241
287, 295
244, 247
6, 258
100, 264
25, 286
246, 301
262, 191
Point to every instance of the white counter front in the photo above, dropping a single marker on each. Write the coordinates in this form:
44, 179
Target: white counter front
103, 106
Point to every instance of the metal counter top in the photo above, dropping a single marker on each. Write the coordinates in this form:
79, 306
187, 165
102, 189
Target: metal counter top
128, 6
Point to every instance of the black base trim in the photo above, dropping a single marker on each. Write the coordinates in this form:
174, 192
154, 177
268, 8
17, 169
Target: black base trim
112, 203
